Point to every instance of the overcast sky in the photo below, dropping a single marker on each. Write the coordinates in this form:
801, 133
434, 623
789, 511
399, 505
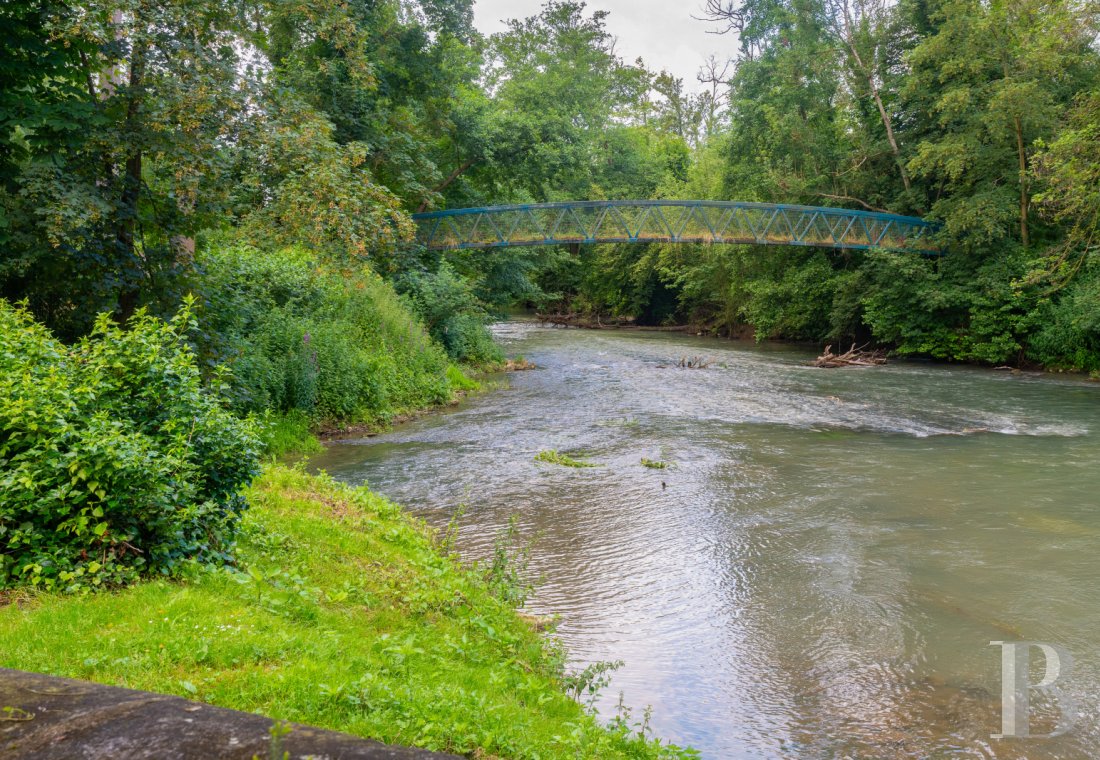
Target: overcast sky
662, 32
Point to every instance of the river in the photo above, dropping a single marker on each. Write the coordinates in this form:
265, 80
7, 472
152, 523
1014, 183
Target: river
820, 570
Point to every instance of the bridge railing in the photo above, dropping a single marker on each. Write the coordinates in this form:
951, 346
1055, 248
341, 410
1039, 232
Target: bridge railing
665, 221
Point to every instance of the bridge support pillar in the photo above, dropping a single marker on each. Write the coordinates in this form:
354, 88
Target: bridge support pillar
575, 249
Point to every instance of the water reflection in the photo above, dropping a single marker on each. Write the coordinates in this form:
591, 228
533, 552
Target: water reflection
822, 567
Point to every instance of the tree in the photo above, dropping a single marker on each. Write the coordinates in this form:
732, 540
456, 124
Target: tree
556, 85
789, 140
99, 209
992, 80
397, 78
1070, 172
857, 31
295, 185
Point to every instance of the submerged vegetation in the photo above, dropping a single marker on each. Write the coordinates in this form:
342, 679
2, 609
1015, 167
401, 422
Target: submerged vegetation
551, 456
654, 464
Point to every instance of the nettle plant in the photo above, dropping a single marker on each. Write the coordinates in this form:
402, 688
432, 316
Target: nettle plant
116, 459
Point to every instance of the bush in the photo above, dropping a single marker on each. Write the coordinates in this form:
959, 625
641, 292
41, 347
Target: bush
115, 460
1069, 328
452, 313
334, 345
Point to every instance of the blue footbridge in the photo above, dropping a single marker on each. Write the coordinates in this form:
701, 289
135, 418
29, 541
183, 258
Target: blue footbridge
574, 223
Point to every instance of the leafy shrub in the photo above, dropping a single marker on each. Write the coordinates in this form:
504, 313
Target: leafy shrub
785, 294
115, 460
334, 345
953, 308
452, 313
1069, 328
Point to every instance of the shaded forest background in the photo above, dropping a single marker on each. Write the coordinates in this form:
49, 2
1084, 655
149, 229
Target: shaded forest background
266, 156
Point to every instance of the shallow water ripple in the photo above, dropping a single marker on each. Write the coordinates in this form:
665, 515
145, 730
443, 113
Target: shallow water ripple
820, 570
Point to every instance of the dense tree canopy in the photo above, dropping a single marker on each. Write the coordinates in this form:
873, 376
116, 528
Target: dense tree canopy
134, 135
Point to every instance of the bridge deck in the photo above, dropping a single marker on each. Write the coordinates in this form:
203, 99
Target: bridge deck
729, 222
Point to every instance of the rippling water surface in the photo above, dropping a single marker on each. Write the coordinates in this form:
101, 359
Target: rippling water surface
819, 571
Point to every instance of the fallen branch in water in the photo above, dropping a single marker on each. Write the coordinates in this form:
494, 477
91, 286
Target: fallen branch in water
588, 322
693, 362
854, 357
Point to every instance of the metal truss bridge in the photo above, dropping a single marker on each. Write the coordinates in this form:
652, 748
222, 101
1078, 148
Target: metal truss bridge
729, 222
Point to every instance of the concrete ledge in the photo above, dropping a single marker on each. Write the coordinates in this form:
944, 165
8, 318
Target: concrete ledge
48, 718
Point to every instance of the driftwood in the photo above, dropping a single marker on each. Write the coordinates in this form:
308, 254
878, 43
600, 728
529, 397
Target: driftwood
689, 362
853, 357
693, 362
595, 322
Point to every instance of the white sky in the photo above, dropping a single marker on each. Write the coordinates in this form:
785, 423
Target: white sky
662, 32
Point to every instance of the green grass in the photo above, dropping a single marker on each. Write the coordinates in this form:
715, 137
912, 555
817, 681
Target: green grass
459, 381
551, 456
289, 433
343, 613
654, 464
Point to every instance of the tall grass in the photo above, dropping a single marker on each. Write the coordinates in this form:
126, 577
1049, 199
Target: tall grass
304, 337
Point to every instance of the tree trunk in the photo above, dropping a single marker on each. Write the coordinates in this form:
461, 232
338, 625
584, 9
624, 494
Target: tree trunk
886, 120
889, 124
450, 178
130, 293
1025, 201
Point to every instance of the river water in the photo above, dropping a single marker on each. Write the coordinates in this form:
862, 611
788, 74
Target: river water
820, 570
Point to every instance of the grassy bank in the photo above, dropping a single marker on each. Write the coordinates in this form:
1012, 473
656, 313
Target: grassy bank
314, 345
342, 613
293, 433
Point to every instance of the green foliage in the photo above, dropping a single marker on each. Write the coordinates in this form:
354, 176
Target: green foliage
122, 114
952, 308
991, 80
395, 79
128, 130
654, 464
41, 106
557, 85
452, 313
1070, 171
459, 381
348, 616
334, 345
312, 191
959, 110
506, 572
116, 461
587, 684
1068, 336
785, 293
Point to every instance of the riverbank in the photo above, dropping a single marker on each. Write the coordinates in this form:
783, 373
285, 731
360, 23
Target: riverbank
465, 382
746, 333
292, 434
343, 613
